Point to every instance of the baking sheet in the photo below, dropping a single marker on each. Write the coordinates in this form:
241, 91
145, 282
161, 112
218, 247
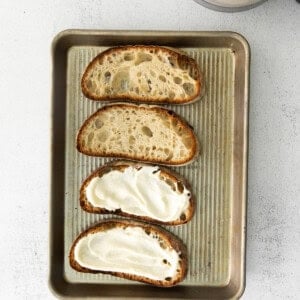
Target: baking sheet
215, 236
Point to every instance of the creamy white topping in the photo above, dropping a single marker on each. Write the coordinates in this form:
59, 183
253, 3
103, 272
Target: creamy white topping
130, 250
140, 192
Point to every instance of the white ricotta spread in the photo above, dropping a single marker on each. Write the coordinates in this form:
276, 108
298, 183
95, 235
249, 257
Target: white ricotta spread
140, 192
130, 250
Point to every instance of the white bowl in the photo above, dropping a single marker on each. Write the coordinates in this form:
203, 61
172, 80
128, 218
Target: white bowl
230, 5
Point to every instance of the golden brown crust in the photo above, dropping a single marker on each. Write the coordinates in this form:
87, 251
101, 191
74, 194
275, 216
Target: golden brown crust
121, 165
183, 59
160, 110
168, 238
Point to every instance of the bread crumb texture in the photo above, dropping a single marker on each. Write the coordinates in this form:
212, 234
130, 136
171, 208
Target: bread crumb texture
143, 73
137, 132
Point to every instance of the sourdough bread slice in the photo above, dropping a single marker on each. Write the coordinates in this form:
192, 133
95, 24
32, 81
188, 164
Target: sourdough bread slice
132, 250
140, 191
150, 74
138, 132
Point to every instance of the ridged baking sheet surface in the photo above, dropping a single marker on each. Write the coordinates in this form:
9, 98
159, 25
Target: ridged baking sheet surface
207, 235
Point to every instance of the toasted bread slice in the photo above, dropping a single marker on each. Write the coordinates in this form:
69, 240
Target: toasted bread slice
149, 74
138, 132
132, 250
144, 191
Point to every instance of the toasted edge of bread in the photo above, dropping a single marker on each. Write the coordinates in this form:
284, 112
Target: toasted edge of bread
179, 54
173, 241
120, 165
164, 112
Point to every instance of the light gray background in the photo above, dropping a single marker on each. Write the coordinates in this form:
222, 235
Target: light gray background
26, 31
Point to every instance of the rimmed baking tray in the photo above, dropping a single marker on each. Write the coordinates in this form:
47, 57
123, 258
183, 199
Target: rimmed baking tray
215, 237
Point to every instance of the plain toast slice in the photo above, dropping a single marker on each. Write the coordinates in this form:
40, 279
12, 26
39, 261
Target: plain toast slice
150, 74
138, 132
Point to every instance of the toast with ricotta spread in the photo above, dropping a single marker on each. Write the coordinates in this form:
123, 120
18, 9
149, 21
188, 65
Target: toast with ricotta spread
132, 250
141, 191
150, 74
138, 132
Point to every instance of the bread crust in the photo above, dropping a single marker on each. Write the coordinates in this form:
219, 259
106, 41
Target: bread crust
168, 237
122, 165
177, 54
195, 148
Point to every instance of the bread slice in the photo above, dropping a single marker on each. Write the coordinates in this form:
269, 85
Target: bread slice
150, 74
132, 250
140, 191
138, 132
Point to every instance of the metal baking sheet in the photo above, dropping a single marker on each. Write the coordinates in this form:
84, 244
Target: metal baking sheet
215, 237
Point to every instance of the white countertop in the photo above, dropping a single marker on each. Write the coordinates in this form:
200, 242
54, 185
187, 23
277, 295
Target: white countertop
26, 31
